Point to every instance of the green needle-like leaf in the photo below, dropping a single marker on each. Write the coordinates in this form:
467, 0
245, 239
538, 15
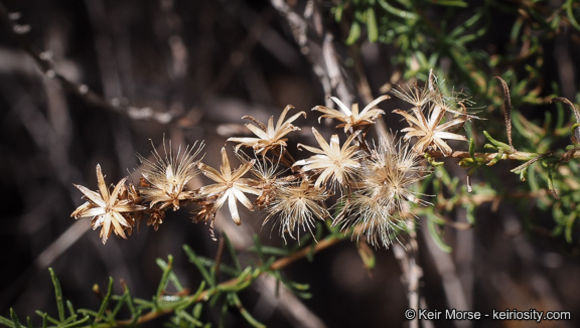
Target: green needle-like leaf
105, 301
58, 294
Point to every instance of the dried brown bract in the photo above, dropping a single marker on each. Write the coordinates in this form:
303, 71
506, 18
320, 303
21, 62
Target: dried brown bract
229, 186
429, 131
332, 162
108, 209
270, 136
352, 119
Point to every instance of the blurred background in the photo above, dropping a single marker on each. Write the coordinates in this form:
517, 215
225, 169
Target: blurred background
87, 82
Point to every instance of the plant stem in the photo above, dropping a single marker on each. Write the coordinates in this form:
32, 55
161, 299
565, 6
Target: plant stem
206, 294
516, 155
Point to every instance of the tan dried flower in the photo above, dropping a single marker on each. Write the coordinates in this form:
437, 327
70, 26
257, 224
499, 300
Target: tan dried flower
332, 162
414, 95
371, 219
268, 137
429, 131
297, 207
391, 172
167, 176
422, 97
352, 119
269, 179
381, 202
229, 186
107, 209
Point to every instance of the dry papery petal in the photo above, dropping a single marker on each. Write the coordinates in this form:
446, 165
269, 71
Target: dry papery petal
351, 118
429, 130
331, 162
229, 186
270, 136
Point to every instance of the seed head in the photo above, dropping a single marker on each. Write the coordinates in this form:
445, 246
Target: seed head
297, 207
382, 200
268, 176
167, 176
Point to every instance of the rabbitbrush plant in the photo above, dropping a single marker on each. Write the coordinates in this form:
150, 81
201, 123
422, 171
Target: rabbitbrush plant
363, 182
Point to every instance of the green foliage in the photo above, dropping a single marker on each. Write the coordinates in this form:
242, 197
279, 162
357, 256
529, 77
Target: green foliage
447, 36
435, 34
183, 309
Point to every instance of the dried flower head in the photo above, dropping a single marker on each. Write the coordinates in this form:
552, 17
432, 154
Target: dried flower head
391, 171
371, 219
268, 176
382, 198
429, 130
167, 176
414, 95
332, 162
268, 137
297, 207
352, 119
107, 208
422, 98
229, 186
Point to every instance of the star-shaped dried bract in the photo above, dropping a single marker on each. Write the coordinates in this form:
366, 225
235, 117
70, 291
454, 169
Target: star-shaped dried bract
429, 130
268, 137
167, 176
107, 209
229, 186
352, 119
332, 162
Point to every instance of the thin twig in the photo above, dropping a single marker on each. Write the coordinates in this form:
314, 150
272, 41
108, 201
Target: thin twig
316, 44
218, 257
479, 199
516, 155
206, 294
411, 270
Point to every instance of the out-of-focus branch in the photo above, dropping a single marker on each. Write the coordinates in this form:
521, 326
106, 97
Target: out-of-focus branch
317, 45
452, 287
44, 62
412, 272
